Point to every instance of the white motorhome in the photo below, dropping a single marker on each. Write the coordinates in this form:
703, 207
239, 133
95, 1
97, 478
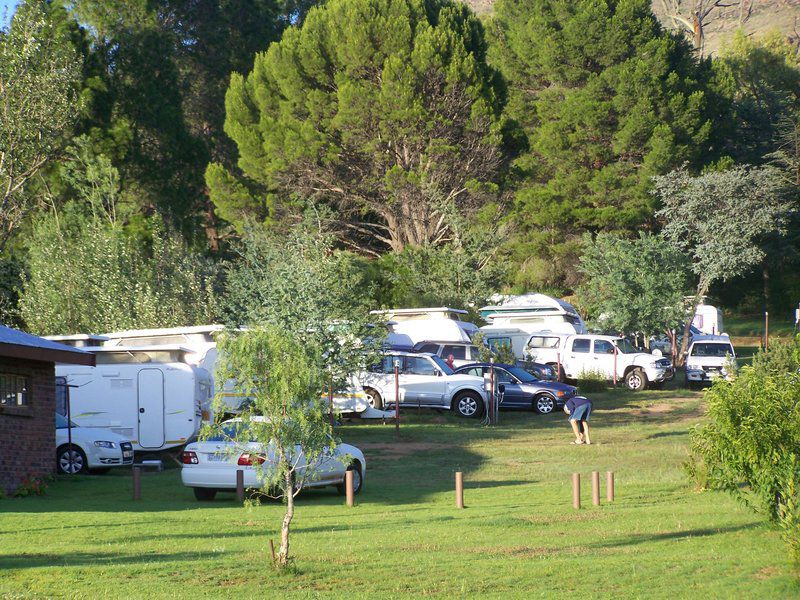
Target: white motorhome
531, 313
708, 319
148, 394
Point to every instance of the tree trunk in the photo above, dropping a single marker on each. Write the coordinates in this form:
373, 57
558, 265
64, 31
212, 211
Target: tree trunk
283, 553
765, 279
702, 290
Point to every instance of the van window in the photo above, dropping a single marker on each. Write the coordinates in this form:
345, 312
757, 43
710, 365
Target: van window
458, 352
603, 347
474, 353
544, 342
581, 345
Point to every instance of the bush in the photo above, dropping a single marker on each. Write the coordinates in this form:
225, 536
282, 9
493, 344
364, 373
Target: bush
592, 381
751, 445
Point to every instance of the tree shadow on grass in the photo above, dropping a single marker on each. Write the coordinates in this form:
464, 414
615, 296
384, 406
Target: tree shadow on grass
646, 538
93, 559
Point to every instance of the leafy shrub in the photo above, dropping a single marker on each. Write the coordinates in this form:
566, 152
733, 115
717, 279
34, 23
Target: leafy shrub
751, 445
592, 381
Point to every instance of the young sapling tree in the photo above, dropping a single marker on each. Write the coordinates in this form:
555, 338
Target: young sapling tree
284, 425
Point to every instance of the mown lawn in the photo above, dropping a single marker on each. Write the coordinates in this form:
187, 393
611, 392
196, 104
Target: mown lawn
518, 537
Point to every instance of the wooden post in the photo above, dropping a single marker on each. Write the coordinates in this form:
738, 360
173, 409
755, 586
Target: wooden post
766, 330
459, 489
348, 486
137, 483
610, 486
330, 400
239, 485
576, 490
615, 365
272, 550
596, 488
492, 397
397, 399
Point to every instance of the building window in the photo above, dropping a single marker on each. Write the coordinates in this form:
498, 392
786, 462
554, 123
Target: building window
14, 390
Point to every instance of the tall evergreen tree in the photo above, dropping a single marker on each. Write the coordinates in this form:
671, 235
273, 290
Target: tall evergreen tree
607, 99
384, 109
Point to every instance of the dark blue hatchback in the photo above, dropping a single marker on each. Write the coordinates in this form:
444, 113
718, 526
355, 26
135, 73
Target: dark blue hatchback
523, 390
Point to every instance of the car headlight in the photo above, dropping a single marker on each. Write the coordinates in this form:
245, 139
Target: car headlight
104, 444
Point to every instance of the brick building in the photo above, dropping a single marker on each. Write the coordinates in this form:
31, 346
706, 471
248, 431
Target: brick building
28, 404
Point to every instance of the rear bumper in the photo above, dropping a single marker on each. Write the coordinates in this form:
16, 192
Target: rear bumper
216, 478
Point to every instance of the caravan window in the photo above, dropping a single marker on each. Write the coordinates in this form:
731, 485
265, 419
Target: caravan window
432, 348
496, 343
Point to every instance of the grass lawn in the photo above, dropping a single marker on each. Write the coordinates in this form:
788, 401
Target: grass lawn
518, 537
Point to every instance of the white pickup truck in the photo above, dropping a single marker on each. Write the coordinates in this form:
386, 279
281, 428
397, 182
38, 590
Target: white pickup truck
578, 355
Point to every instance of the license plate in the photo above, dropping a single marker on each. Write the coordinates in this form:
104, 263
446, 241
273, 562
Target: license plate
127, 454
217, 457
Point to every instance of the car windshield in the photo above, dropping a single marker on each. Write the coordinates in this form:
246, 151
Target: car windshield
442, 365
522, 375
712, 350
61, 422
625, 347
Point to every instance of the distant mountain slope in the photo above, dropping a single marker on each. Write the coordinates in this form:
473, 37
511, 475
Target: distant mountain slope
765, 16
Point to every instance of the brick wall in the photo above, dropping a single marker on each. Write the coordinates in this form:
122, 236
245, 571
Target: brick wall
27, 433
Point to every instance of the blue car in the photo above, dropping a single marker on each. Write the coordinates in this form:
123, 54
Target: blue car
523, 390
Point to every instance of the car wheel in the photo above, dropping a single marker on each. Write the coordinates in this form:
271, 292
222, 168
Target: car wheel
468, 405
544, 404
63, 456
636, 380
204, 494
358, 481
374, 398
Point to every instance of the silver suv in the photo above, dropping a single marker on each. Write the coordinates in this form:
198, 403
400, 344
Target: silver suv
425, 381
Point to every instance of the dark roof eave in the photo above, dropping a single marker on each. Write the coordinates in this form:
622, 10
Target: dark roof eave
47, 355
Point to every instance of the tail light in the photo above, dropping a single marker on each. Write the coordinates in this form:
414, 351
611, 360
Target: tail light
189, 458
248, 460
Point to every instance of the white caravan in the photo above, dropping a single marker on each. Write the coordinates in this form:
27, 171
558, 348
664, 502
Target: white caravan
202, 345
708, 319
147, 394
408, 326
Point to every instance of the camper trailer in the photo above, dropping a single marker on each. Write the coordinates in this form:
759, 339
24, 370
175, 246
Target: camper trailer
708, 319
148, 394
409, 326
533, 313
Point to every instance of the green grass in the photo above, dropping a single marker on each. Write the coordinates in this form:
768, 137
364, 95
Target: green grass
752, 326
518, 537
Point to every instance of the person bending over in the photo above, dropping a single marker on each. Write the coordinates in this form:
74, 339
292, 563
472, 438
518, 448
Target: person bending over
579, 408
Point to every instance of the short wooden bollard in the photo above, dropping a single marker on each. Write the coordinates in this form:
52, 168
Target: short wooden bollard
610, 486
576, 490
348, 486
239, 485
459, 489
137, 483
596, 488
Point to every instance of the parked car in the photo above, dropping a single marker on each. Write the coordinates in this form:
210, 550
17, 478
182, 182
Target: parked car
463, 353
93, 448
425, 381
210, 466
578, 355
707, 359
523, 390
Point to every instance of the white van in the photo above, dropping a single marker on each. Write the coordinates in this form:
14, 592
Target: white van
148, 395
707, 359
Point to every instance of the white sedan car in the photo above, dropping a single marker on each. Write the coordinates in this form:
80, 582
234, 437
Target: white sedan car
210, 466
93, 448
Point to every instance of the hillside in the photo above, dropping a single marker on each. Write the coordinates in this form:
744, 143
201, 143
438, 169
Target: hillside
765, 16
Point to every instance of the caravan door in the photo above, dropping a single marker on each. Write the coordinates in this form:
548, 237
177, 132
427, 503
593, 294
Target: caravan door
151, 408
